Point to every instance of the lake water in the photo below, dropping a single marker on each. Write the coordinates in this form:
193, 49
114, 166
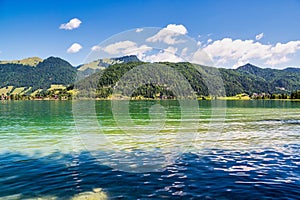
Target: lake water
150, 149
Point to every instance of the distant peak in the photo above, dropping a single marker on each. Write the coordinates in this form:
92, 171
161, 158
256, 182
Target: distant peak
292, 69
248, 68
31, 61
127, 58
248, 65
105, 62
53, 58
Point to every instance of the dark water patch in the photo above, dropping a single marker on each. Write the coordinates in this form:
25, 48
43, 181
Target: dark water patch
292, 121
278, 121
215, 174
263, 104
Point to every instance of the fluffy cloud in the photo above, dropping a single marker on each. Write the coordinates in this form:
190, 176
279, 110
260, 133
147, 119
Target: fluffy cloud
242, 51
171, 44
184, 52
287, 48
259, 36
96, 48
74, 48
168, 35
120, 47
72, 24
280, 52
138, 30
201, 57
275, 61
124, 48
165, 55
176, 28
143, 52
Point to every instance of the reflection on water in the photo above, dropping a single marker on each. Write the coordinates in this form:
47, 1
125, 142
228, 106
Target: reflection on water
220, 174
255, 156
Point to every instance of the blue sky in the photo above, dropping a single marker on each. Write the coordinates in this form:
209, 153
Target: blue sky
232, 32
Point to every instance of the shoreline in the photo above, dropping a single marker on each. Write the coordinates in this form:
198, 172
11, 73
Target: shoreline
109, 99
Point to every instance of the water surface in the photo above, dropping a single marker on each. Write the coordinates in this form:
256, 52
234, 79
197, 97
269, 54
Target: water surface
253, 154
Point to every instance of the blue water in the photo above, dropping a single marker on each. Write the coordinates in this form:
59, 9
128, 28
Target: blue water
264, 174
39, 167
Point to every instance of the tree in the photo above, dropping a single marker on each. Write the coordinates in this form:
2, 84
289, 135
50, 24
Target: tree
295, 95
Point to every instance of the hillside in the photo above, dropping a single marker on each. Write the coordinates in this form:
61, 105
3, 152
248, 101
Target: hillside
275, 80
50, 71
246, 79
103, 74
33, 61
100, 64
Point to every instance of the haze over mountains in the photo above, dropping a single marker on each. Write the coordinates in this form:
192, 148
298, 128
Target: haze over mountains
33, 61
37, 73
100, 64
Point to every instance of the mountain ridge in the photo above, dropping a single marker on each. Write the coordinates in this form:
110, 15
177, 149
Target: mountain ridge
54, 70
31, 61
105, 62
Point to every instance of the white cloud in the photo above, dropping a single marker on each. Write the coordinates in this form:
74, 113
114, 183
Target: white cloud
172, 50
165, 55
72, 24
168, 35
201, 57
287, 48
74, 48
139, 51
119, 47
242, 51
209, 40
96, 48
177, 28
138, 30
124, 48
280, 52
259, 36
276, 61
184, 52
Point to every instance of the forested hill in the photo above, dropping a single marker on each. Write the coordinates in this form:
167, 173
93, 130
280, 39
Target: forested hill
247, 79
33, 61
50, 71
100, 64
285, 80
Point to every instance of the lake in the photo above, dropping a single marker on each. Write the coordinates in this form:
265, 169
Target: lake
150, 149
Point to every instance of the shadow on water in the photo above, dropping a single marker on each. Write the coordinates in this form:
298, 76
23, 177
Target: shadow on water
218, 174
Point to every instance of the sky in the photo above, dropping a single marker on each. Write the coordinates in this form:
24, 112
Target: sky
232, 33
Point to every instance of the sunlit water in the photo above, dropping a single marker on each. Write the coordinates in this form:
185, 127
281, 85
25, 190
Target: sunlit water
246, 150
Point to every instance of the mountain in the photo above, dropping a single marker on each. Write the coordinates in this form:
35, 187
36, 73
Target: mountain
105, 62
33, 61
103, 75
100, 64
265, 73
278, 80
291, 69
245, 79
55, 71
50, 71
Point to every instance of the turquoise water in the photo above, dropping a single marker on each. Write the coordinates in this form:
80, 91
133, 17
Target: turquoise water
159, 149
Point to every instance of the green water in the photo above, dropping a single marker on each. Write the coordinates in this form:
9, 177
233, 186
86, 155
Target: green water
150, 149
48, 126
